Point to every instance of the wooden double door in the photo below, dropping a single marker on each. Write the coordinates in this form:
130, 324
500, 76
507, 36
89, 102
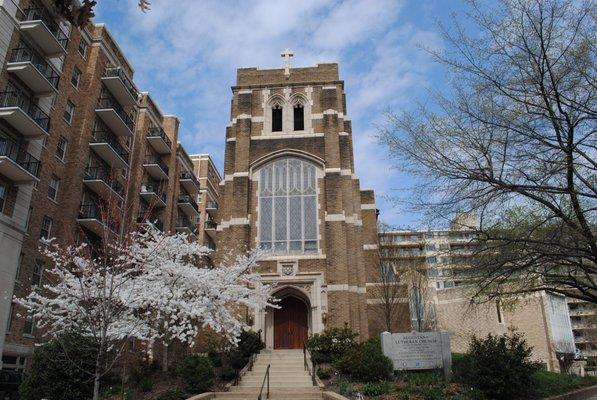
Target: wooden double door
291, 325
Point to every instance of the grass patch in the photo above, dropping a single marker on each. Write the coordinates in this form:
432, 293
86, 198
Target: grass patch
547, 384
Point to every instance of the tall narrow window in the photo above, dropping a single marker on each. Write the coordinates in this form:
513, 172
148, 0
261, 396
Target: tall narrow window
46, 228
299, 117
277, 118
288, 206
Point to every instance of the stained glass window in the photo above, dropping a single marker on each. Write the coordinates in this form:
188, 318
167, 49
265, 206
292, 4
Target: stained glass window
288, 206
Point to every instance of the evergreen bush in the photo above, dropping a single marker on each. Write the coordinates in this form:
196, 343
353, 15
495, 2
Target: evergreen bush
197, 373
366, 362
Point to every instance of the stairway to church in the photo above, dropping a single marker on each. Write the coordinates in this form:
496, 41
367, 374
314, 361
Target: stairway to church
288, 378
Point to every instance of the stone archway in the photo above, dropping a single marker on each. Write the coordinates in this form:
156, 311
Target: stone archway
288, 326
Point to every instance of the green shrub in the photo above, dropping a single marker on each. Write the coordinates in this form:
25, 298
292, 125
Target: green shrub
324, 373
345, 387
196, 372
237, 360
376, 389
215, 357
172, 394
499, 366
545, 384
250, 343
330, 345
228, 373
58, 370
366, 363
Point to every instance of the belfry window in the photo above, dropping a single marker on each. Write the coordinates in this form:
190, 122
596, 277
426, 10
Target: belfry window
299, 117
277, 118
288, 206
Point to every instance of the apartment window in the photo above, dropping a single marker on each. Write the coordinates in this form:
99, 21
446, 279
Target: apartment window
9, 322
19, 266
28, 327
53, 188
28, 221
2, 196
69, 112
37, 272
61, 148
82, 49
46, 227
432, 260
76, 77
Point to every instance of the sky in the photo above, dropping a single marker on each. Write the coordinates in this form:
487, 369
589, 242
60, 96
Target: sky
185, 54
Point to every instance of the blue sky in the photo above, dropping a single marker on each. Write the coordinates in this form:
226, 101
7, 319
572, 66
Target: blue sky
185, 53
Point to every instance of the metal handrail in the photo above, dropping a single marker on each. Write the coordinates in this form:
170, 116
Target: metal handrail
101, 174
108, 102
156, 131
41, 14
189, 175
152, 159
106, 136
185, 198
118, 72
210, 224
13, 98
185, 223
18, 154
266, 376
211, 204
24, 53
309, 369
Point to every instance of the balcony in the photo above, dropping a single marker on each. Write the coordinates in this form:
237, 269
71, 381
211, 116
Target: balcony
22, 114
158, 139
184, 225
101, 182
106, 145
189, 182
40, 26
114, 116
156, 167
152, 196
210, 228
144, 217
33, 70
211, 207
188, 205
91, 217
17, 164
120, 86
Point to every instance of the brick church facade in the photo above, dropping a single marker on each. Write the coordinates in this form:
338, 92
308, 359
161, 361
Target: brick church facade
290, 187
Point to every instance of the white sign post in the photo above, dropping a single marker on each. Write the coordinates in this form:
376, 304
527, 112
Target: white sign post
418, 350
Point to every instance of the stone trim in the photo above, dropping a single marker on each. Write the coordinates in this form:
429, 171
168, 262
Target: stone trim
382, 301
229, 177
370, 247
287, 136
288, 258
370, 206
346, 288
232, 221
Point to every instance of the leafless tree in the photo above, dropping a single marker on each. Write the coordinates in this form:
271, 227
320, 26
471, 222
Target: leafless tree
422, 309
515, 142
80, 13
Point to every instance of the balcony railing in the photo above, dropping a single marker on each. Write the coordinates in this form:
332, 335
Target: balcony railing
143, 217
158, 161
109, 102
105, 136
94, 211
211, 205
156, 131
101, 174
189, 175
210, 224
185, 198
151, 188
185, 223
18, 154
41, 14
117, 72
12, 98
26, 54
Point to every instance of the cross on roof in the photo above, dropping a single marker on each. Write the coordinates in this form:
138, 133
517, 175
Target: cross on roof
286, 54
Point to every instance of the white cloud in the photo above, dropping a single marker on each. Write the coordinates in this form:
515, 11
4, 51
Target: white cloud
186, 55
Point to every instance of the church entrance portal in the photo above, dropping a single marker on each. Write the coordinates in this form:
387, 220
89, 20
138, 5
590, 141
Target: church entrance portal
291, 325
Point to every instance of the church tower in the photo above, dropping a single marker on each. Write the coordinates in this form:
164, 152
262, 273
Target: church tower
290, 187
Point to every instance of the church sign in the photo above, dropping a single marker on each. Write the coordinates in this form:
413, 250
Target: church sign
418, 350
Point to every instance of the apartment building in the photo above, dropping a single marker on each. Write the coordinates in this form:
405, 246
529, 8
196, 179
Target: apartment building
583, 317
209, 199
441, 300
82, 152
187, 210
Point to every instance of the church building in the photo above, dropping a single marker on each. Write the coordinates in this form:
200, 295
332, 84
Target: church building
290, 187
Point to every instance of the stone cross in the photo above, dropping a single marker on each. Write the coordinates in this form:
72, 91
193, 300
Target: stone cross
286, 54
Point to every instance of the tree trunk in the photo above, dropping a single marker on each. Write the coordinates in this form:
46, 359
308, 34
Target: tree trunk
96, 385
165, 358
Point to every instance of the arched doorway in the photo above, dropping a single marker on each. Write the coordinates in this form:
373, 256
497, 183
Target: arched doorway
291, 323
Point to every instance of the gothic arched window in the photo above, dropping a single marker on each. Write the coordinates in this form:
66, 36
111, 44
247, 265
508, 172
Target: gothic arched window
299, 117
288, 206
277, 118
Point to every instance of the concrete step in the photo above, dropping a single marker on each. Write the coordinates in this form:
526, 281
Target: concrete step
282, 396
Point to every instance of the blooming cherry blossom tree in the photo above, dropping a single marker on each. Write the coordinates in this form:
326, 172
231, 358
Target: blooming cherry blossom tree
147, 286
